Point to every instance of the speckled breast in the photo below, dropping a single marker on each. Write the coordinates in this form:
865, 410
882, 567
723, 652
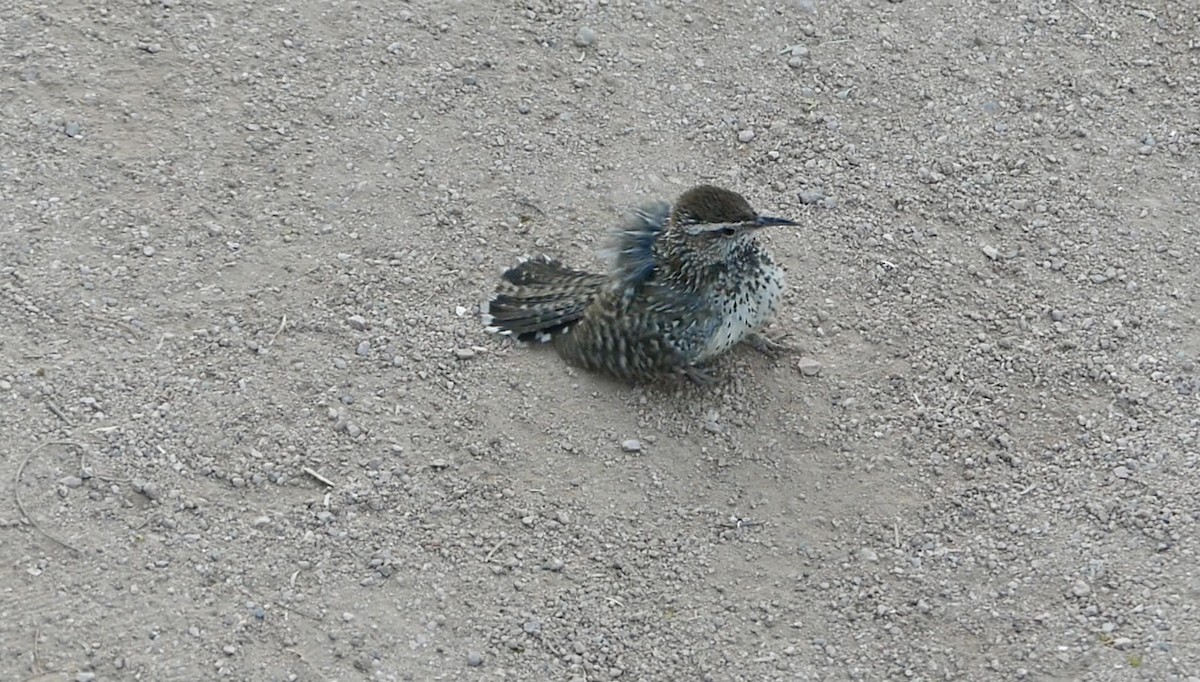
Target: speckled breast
748, 302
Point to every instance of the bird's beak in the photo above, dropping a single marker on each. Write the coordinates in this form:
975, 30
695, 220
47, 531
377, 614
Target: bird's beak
767, 221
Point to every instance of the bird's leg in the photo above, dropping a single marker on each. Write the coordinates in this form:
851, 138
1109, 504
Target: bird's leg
769, 346
698, 376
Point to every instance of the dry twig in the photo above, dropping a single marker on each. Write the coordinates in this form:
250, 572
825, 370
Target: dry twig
17, 492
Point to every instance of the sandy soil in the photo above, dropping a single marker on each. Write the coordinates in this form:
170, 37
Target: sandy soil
252, 428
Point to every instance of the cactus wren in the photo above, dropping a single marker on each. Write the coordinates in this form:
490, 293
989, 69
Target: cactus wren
685, 284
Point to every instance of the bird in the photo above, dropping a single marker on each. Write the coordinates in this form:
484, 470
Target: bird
685, 283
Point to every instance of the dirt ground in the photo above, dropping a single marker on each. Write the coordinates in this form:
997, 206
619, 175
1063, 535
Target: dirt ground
253, 429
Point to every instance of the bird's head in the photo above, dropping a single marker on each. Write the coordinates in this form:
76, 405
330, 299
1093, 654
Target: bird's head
715, 223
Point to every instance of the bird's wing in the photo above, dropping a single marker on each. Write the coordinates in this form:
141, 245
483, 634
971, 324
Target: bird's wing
630, 250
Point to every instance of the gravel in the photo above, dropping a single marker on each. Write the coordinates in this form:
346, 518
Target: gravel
246, 383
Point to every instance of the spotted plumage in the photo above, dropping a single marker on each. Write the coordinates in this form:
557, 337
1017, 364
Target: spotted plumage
685, 284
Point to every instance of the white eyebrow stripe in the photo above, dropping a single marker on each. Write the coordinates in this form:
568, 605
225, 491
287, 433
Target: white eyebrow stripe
697, 228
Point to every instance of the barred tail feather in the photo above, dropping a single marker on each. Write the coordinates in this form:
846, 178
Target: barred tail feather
540, 298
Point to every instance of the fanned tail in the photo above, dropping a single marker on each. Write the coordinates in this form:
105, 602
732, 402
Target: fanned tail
540, 298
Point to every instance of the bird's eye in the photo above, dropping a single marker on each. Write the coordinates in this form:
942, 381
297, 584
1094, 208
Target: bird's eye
728, 231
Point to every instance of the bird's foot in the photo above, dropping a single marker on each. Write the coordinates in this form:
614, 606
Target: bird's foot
699, 376
768, 346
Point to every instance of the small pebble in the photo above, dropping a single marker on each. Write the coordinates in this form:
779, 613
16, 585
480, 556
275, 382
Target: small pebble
1081, 589
746, 135
363, 349
144, 488
474, 659
808, 367
631, 445
357, 322
811, 196
72, 129
585, 37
